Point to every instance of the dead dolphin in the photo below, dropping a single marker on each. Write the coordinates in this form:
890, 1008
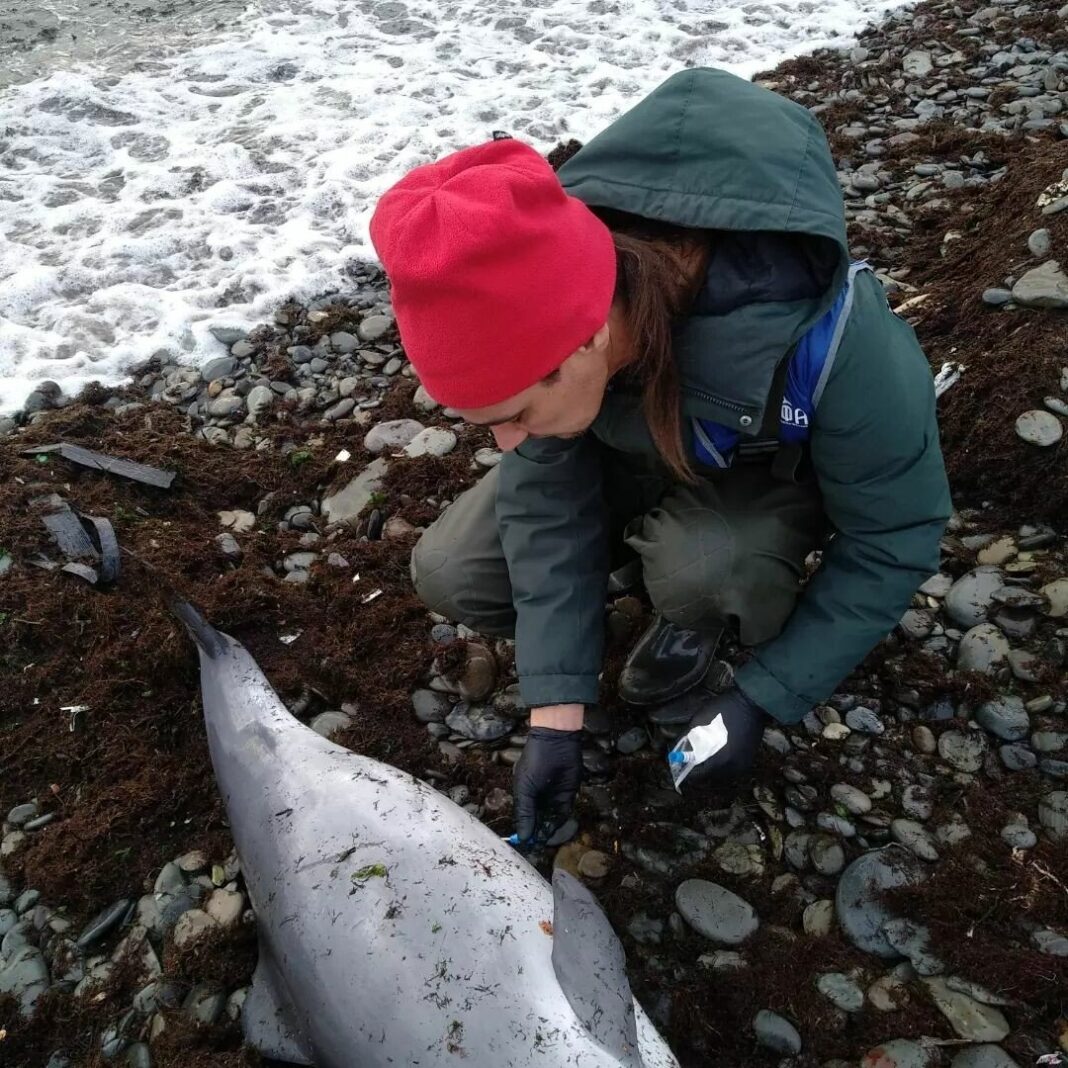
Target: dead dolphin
395, 928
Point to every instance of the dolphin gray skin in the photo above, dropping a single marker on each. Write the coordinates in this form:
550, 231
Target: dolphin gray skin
395, 928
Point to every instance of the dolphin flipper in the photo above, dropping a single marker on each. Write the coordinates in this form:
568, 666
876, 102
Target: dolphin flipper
591, 968
208, 639
268, 1020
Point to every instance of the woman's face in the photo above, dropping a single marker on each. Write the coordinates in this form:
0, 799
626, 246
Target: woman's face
563, 405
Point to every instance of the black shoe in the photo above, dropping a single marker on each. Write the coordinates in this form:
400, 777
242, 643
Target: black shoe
666, 662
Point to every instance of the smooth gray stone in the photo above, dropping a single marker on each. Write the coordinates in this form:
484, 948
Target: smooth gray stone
912, 940
970, 597
864, 720
841, 991
714, 911
26, 900
103, 922
1050, 942
963, 750
858, 905
478, 724
826, 854
914, 836
776, 1033
430, 707
1019, 837
630, 741
1005, 717
205, 1004
22, 814
25, 977
983, 1057
982, 648
1017, 757
220, 367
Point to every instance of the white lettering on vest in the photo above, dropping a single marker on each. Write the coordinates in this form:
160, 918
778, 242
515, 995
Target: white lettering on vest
792, 416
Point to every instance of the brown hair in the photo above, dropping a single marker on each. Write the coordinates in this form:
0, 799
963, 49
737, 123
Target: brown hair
653, 289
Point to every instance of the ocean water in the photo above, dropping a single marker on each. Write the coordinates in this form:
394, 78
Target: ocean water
170, 165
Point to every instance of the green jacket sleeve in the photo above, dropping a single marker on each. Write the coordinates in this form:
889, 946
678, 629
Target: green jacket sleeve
550, 511
877, 459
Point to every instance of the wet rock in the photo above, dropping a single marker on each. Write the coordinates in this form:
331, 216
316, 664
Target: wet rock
841, 991
818, 918
221, 367
917, 802
24, 975
1053, 815
631, 740
20, 815
912, 940
259, 400
776, 1033
858, 899
826, 854
917, 623
1039, 243
430, 707
374, 327
191, 926
1045, 286
204, 1004
392, 434
969, 599
1056, 593
983, 1057
864, 721
348, 503
1019, 836
1050, 942
924, 740
850, 798
477, 723
1039, 427
721, 916
330, 723
480, 673
434, 441
971, 1019
917, 64
983, 648
103, 923
963, 750
914, 837
1005, 717
888, 993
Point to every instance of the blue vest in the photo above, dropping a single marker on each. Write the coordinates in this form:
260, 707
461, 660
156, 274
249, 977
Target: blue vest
809, 368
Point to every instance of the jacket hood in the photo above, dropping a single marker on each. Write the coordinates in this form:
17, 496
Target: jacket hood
712, 151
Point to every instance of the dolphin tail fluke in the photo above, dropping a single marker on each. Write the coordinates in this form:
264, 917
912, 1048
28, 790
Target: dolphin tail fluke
208, 639
591, 968
268, 1020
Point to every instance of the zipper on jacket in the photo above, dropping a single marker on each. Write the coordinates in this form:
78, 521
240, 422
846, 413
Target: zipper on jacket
711, 398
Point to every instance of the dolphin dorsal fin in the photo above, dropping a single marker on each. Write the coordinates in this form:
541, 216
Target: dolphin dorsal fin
267, 1016
591, 968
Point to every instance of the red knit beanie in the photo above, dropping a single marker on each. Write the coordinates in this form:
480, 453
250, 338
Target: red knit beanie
497, 274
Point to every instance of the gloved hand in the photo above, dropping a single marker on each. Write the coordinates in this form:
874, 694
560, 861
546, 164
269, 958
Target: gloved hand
546, 780
744, 722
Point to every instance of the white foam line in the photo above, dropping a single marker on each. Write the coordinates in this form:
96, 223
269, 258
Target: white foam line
138, 209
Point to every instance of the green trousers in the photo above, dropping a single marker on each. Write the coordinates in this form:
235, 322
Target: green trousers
726, 551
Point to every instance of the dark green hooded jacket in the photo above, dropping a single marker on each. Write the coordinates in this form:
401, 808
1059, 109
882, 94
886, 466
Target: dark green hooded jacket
712, 151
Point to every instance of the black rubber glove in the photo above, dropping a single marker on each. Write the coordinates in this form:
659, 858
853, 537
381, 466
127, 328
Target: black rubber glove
546, 780
744, 721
